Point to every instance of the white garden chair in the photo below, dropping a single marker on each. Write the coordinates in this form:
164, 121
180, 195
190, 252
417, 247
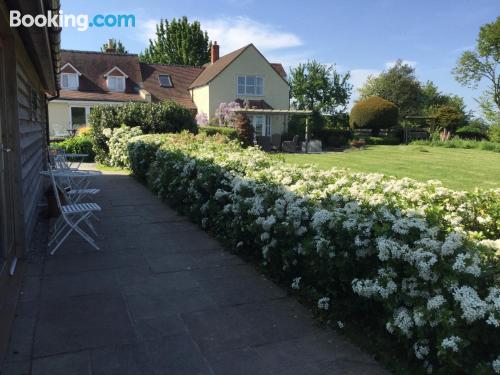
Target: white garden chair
73, 215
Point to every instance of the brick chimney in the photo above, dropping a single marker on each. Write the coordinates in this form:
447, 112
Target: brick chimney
110, 48
214, 52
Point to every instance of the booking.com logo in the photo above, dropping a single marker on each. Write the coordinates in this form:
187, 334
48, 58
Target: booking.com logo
80, 21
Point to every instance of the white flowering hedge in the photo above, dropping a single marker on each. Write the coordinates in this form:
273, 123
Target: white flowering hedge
415, 258
117, 141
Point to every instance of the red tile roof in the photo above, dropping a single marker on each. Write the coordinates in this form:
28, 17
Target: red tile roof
109, 96
181, 77
93, 66
213, 70
93, 86
279, 68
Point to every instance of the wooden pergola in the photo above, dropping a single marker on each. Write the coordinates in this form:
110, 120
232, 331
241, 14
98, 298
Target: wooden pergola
430, 119
285, 112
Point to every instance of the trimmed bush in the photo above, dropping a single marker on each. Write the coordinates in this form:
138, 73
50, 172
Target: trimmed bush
222, 130
374, 113
81, 144
471, 132
164, 117
414, 259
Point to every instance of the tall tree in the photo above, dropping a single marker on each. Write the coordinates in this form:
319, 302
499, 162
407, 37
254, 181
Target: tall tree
178, 42
482, 63
320, 88
434, 99
117, 45
399, 85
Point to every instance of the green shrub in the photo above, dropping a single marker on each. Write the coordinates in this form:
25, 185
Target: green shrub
494, 133
164, 117
382, 140
374, 113
223, 130
81, 144
117, 144
408, 259
461, 143
471, 132
334, 137
244, 129
448, 116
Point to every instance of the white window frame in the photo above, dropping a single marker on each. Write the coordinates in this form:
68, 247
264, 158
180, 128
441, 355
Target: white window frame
267, 127
87, 112
246, 85
69, 76
122, 77
116, 79
254, 124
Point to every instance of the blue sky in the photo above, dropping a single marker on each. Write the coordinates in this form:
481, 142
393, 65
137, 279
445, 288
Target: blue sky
362, 36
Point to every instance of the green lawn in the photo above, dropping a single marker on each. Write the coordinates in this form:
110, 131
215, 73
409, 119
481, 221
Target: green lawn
458, 169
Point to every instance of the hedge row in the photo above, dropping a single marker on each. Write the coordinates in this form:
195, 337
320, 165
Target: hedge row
222, 130
164, 117
414, 259
461, 143
81, 144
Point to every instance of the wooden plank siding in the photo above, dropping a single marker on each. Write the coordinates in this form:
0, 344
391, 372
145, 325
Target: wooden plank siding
32, 146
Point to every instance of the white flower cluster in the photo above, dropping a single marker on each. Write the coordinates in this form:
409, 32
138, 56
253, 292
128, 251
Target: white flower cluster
296, 283
418, 248
324, 303
435, 302
496, 365
451, 343
421, 349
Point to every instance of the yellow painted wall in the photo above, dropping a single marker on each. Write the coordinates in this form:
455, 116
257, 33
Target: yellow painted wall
223, 88
58, 118
201, 98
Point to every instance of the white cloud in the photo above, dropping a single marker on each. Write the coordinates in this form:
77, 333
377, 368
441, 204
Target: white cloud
359, 76
390, 64
146, 30
358, 79
233, 33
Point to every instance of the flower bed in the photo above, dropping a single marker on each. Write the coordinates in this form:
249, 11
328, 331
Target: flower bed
415, 258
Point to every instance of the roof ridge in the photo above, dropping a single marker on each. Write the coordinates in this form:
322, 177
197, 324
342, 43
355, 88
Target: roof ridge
99, 52
176, 65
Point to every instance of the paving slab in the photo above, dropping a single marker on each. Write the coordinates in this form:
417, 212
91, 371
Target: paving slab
162, 297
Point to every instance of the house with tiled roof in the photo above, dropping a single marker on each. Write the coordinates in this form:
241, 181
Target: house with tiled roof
244, 76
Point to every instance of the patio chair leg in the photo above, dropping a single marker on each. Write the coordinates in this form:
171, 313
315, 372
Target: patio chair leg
76, 228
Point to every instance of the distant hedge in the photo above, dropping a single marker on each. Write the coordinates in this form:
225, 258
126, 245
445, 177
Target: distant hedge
81, 144
223, 130
374, 113
471, 132
164, 117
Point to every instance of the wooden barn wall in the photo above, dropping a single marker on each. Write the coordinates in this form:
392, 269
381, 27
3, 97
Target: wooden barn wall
32, 145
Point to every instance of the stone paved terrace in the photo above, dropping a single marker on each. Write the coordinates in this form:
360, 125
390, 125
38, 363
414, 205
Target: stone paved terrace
162, 297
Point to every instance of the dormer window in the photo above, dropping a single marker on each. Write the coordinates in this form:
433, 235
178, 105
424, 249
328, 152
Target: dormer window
116, 79
69, 81
165, 80
116, 83
69, 77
